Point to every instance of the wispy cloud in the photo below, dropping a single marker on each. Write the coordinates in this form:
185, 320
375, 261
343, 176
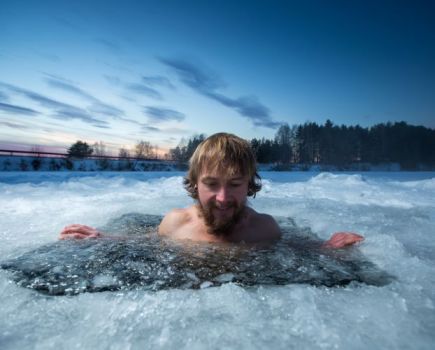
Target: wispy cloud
79, 114
159, 114
60, 110
113, 80
150, 128
14, 125
40, 99
207, 82
195, 75
97, 106
69, 87
144, 90
17, 109
166, 131
117, 66
147, 86
176, 131
158, 80
3, 96
105, 109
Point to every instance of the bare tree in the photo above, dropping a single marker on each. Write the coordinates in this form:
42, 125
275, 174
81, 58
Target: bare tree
123, 153
124, 160
100, 149
156, 151
143, 149
36, 149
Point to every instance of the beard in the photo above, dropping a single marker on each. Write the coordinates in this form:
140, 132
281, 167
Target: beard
220, 226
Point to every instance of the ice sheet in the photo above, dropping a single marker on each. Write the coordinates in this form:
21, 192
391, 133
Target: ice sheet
394, 211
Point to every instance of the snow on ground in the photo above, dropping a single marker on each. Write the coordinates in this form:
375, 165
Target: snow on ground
394, 211
33, 163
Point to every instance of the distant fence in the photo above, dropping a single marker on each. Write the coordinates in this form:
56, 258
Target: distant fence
15, 153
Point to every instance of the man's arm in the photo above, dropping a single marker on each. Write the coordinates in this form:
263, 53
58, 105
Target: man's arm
342, 239
168, 225
77, 231
272, 231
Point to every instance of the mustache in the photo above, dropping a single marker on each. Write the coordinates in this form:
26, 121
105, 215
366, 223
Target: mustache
228, 205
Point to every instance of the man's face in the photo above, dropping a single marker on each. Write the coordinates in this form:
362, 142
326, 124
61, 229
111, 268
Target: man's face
221, 200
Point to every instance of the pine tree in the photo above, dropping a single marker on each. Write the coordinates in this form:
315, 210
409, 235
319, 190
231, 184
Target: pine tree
80, 150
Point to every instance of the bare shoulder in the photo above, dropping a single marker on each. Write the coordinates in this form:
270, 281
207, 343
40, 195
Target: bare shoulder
270, 226
173, 220
265, 226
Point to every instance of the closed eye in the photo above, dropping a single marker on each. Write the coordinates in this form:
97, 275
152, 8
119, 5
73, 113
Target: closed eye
210, 184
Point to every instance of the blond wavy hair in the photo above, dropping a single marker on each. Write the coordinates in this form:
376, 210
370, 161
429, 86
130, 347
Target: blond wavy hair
223, 153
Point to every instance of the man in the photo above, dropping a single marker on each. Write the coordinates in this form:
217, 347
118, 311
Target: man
222, 174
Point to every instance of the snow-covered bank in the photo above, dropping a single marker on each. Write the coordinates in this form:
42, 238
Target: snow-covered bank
27, 163
394, 211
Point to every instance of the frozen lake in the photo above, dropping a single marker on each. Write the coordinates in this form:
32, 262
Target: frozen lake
394, 211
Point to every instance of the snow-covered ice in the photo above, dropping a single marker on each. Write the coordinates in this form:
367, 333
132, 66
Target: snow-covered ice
394, 211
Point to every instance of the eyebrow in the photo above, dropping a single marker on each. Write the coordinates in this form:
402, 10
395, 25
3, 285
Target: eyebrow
213, 178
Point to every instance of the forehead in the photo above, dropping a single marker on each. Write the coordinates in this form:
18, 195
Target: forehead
221, 175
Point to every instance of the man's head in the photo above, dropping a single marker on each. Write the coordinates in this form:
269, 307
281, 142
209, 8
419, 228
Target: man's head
226, 154
222, 173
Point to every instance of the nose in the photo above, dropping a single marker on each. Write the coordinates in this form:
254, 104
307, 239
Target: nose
222, 194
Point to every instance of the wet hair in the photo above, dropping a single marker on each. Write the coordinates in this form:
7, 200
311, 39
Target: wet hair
223, 153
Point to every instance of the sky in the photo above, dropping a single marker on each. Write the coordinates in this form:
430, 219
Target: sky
162, 71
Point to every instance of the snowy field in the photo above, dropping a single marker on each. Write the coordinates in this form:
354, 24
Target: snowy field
394, 211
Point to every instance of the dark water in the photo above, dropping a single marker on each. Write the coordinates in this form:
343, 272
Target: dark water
142, 260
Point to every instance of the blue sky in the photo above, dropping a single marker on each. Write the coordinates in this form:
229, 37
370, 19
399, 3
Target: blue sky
159, 71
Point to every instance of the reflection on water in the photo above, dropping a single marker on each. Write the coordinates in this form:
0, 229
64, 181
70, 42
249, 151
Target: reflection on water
148, 262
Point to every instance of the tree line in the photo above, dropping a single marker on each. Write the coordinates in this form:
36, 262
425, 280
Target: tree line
309, 144
340, 146
142, 150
